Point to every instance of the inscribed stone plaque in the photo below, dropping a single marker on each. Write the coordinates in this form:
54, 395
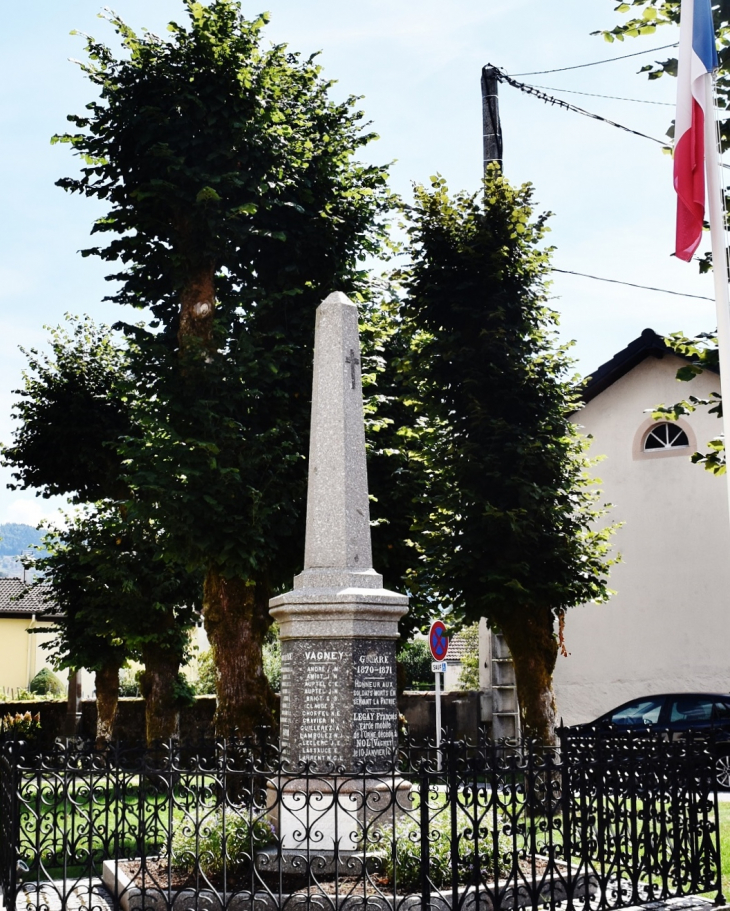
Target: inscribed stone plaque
338, 700
375, 716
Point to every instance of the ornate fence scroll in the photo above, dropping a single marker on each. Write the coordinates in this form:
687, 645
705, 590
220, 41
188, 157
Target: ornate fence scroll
601, 822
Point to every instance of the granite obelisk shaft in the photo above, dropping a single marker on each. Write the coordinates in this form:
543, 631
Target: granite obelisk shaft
338, 625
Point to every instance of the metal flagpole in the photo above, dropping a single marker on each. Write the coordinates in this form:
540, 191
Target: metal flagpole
716, 206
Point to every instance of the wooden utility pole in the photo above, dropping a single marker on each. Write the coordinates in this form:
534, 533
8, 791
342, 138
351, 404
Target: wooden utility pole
492, 127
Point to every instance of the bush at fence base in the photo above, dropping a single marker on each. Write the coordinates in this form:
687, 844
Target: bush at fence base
400, 852
202, 845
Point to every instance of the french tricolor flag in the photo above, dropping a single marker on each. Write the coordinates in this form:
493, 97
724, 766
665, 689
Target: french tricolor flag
697, 60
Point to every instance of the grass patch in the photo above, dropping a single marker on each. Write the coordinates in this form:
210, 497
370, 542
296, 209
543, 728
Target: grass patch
725, 846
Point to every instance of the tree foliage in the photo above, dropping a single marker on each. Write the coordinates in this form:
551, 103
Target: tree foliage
118, 601
213, 153
71, 412
76, 405
510, 531
509, 477
701, 353
395, 437
235, 204
219, 157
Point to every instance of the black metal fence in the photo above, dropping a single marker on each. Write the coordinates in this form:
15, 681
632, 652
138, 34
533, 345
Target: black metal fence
600, 823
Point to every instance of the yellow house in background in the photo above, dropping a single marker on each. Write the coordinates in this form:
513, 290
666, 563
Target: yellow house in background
21, 655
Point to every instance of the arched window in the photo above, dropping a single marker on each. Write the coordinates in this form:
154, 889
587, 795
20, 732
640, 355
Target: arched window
665, 436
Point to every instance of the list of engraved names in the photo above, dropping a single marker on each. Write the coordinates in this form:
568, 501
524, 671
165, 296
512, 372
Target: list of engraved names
320, 734
338, 701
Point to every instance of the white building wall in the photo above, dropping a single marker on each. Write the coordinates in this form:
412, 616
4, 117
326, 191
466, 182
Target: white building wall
668, 626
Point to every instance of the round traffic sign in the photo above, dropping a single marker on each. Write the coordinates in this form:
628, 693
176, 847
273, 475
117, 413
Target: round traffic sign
438, 641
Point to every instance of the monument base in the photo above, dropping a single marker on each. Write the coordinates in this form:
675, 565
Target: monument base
333, 817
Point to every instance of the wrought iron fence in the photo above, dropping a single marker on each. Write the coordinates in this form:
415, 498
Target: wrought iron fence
599, 823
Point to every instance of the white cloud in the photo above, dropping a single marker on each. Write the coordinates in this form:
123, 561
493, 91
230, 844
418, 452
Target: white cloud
30, 511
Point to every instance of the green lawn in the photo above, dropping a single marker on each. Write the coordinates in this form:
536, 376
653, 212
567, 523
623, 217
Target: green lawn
725, 846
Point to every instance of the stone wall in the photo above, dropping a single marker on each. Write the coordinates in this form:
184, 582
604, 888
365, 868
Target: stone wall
196, 722
461, 712
460, 715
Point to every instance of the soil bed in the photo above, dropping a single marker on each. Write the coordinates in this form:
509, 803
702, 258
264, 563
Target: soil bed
365, 884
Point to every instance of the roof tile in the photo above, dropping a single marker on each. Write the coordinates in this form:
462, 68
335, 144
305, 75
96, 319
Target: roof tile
19, 600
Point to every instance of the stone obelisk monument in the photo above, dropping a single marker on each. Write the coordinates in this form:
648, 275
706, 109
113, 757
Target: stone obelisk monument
338, 625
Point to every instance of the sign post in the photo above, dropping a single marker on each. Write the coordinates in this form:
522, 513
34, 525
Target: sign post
438, 642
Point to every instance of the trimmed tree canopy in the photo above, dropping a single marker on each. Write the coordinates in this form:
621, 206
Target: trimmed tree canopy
509, 533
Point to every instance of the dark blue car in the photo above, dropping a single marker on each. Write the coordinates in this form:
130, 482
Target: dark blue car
704, 714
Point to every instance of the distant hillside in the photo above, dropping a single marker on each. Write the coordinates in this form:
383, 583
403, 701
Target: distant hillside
15, 539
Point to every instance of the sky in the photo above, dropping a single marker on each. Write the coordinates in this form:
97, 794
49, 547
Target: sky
417, 64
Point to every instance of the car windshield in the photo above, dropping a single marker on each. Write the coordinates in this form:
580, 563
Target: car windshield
639, 712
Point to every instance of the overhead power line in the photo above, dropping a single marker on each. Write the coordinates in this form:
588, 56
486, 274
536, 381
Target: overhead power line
667, 104
566, 105
615, 281
580, 66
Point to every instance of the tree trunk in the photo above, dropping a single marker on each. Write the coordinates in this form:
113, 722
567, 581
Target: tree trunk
197, 309
235, 611
162, 712
533, 645
107, 698
236, 615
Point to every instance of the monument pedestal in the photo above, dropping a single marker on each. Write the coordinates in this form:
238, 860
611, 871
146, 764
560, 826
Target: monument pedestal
333, 817
338, 679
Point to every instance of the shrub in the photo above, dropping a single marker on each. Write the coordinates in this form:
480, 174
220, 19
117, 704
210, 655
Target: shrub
272, 658
184, 692
204, 682
415, 658
129, 682
21, 726
45, 683
18, 695
469, 675
406, 844
202, 845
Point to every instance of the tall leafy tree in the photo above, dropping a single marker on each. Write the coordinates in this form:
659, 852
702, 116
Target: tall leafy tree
119, 602
235, 204
509, 532
71, 413
103, 568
